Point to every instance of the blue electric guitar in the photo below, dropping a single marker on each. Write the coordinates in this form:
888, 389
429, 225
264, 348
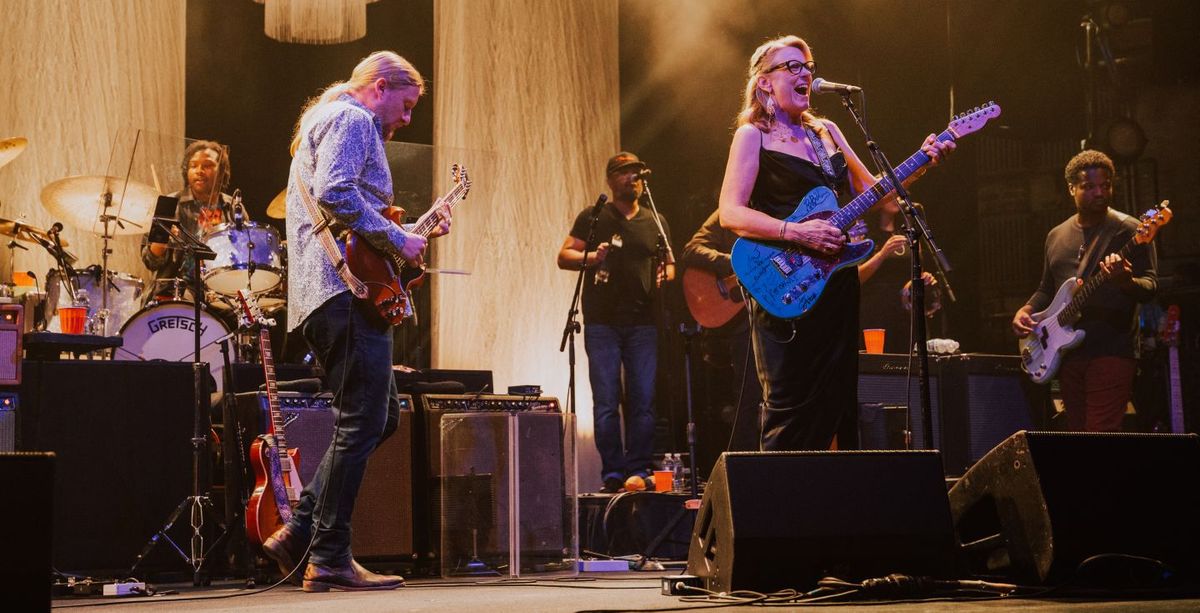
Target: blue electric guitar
787, 279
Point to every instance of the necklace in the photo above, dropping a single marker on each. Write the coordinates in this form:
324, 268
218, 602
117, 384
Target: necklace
783, 134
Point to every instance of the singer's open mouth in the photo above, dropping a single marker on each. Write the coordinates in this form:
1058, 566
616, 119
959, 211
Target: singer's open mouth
802, 89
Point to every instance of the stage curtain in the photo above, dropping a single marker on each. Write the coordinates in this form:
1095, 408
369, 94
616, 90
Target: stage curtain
75, 73
529, 88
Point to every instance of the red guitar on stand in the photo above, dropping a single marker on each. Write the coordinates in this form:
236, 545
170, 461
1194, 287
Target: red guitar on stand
276, 467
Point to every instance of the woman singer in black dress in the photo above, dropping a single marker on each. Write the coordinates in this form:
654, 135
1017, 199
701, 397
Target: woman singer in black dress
808, 367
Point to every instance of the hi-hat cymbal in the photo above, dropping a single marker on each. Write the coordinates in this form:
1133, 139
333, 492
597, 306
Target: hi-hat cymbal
10, 148
80, 202
278, 207
25, 232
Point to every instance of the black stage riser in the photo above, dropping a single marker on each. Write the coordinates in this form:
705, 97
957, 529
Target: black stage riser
122, 432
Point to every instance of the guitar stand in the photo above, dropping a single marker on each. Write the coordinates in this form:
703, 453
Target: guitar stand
692, 503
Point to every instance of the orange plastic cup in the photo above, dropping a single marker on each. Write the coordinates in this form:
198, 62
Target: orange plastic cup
71, 319
663, 480
873, 339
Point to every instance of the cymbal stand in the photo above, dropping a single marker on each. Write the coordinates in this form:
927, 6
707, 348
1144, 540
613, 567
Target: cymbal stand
6, 286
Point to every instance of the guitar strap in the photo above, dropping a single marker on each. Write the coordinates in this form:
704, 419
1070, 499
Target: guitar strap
325, 237
1095, 250
822, 156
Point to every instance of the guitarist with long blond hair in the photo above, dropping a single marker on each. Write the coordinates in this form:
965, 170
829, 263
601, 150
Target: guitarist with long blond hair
1096, 377
340, 177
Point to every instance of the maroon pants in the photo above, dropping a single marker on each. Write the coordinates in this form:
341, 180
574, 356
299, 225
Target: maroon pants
1095, 391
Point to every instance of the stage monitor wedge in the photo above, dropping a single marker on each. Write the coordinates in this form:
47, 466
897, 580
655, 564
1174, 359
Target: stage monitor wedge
776, 520
1041, 503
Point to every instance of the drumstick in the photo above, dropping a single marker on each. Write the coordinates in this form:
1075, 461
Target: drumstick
154, 173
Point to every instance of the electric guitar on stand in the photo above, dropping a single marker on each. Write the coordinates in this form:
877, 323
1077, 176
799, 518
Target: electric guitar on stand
390, 280
1170, 338
277, 484
787, 279
1054, 334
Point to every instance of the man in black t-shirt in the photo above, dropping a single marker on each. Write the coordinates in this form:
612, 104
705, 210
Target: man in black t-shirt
1096, 377
624, 270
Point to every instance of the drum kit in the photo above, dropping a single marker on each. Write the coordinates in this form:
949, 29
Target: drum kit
248, 255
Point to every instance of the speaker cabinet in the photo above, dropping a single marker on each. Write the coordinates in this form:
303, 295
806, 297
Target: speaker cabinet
27, 480
8, 421
977, 401
1040, 503
122, 433
770, 521
383, 511
11, 334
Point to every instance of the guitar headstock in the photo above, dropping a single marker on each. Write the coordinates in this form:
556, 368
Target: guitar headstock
1151, 221
458, 173
249, 313
1170, 329
973, 120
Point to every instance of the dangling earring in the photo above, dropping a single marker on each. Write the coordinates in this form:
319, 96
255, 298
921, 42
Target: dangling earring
770, 106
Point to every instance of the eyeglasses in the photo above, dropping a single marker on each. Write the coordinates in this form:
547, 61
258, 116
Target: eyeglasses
794, 67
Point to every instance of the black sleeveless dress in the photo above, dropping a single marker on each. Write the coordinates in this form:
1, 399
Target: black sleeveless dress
808, 367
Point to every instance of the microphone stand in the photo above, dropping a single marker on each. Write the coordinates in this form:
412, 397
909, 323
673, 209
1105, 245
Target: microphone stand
571, 328
196, 502
916, 231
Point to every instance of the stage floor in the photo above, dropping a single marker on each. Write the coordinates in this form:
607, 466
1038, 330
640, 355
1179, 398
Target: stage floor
589, 592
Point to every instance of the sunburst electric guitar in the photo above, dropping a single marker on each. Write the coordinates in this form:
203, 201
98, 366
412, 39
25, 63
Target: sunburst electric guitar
390, 280
787, 279
1054, 334
276, 467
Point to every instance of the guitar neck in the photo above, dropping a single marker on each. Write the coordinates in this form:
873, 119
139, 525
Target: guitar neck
429, 220
1070, 313
846, 216
268, 361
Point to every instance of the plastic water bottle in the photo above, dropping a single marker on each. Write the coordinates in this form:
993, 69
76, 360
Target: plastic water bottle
677, 468
670, 465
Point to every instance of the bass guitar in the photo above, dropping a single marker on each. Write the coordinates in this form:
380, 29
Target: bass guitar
787, 279
390, 280
1054, 334
712, 300
276, 467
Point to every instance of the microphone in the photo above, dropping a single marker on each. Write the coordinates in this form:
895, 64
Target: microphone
644, 173
599, 205
821, 86
56, 228
239, 212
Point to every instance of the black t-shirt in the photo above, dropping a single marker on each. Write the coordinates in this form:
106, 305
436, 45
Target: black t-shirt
625, 297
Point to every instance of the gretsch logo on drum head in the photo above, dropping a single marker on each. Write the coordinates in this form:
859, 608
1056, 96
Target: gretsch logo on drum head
175, 322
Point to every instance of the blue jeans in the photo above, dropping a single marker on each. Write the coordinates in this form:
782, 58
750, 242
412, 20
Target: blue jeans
356, 354
636, 349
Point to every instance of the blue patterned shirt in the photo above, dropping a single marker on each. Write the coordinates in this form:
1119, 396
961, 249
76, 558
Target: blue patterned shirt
342, 163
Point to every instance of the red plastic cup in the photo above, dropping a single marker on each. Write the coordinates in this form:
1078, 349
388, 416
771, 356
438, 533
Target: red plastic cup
71, 319
663, 480
873, 339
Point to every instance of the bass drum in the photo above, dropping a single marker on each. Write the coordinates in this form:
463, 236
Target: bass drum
166, 331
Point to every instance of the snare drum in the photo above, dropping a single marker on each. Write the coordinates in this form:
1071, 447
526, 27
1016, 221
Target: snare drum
166, 331
229, 271
124, 297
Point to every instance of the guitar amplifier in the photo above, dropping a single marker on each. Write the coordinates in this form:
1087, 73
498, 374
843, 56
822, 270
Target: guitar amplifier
308, 421
11, 335
469, 403
8, 421
977, 401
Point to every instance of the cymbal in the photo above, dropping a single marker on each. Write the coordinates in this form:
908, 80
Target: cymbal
10, 148
25, 232
79, 202
278, 207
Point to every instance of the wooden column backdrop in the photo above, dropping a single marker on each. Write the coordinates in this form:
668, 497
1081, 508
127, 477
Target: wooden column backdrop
528, 88
76, 72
